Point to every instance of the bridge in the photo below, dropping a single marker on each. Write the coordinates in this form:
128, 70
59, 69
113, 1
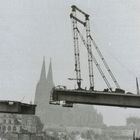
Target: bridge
16, 107
95, 98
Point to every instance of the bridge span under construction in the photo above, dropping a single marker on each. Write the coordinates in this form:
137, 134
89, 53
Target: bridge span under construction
71, 97
107, 97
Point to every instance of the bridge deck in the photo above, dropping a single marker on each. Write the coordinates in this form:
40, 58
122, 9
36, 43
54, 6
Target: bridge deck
16, 107
96, 98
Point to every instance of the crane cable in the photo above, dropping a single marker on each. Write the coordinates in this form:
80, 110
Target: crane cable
104, 62
95, 61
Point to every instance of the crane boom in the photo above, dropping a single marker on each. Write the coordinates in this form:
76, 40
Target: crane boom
76, 49
90, 60
78, 9
105, 63
137, 85
95, 61
76, 45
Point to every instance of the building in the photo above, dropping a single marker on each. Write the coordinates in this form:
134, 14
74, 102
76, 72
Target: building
13, 123
15, 127
50, 115
10, 123
31, 124
133, 122
119, 132
126, 132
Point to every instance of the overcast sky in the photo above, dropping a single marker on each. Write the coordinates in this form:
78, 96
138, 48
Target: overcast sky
31, 29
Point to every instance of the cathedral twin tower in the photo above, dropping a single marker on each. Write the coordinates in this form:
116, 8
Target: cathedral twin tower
53, 115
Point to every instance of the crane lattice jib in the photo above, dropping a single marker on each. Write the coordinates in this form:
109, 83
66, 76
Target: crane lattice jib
104, 62
95, 61
76, 49
90, 61
78, 9
87, 28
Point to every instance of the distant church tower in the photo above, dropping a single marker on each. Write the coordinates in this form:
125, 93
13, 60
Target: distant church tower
53, 115
44, 110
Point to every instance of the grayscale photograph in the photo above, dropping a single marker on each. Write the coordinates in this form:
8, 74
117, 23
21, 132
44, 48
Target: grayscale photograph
69, 70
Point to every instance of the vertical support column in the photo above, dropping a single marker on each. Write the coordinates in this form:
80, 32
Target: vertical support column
76, 49
137, 85
90, 61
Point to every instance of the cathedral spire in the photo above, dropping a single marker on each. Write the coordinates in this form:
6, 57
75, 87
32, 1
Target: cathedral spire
43, 70
50, 74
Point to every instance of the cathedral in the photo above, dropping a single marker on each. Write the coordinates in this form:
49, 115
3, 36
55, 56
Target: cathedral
53, 115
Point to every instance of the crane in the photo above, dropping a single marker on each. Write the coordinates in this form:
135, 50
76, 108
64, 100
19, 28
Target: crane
118, 98
88, 43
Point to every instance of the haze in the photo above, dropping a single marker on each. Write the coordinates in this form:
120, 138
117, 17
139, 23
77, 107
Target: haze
32, 29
